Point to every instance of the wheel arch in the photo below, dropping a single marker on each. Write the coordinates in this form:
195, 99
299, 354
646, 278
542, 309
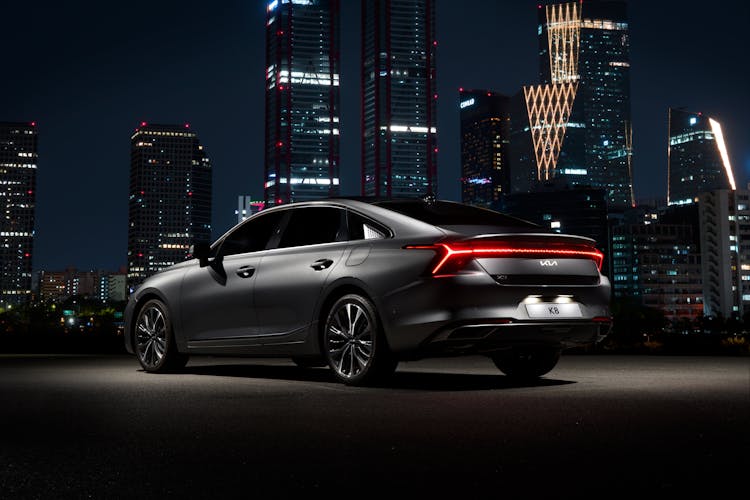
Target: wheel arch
333, 292
139, 303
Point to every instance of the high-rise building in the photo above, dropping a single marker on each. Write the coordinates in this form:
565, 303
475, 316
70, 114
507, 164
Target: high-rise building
170, 198
697, 159
485, 138
302, 100
657, 262
18, 163
579, 116
725, 248
399, 94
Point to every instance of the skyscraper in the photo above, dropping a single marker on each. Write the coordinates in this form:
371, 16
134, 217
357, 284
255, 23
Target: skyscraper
170, 198
399, 147
724, 216
302, 100
18, 162
485, 137
697, 159
579, 116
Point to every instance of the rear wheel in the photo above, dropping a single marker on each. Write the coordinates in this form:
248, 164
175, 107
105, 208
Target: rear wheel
526, 364
154, 340
354, 344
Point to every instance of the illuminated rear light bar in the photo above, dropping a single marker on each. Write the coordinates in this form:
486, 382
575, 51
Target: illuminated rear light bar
447, 252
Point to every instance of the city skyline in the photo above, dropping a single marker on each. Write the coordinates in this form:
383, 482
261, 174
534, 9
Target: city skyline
82, 199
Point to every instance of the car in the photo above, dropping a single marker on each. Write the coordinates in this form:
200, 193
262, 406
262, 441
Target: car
360, 284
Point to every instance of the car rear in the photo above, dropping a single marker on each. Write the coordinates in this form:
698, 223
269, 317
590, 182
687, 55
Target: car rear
491, 282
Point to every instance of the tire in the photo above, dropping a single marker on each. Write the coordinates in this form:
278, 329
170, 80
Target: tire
153, 340
309, 362
526, 364
353, 342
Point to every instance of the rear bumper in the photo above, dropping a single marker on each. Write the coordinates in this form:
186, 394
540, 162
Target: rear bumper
488, 337
473, 314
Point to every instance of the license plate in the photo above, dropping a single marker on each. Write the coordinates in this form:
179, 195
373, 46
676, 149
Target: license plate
552, 310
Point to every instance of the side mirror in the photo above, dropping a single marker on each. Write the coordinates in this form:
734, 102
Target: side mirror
200, 251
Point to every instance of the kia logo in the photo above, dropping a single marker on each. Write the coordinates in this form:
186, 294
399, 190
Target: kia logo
546, 263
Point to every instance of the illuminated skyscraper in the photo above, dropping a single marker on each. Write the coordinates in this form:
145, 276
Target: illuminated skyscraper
698, 160
302, 100
579, 116
399, 147
170, 198
18, 161
485, 135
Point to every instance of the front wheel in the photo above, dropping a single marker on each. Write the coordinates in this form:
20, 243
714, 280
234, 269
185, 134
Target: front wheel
354, 344
154, 340
526, 364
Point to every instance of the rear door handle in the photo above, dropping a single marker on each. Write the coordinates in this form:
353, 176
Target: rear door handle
321, 264
245, 271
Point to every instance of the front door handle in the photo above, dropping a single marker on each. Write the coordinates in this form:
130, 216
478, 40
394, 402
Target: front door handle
321, 264
245, 271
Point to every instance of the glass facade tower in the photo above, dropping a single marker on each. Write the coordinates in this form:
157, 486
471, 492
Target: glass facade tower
485, 138
579, 116
697, 157
399, 147
18, 162
170, 198
302, 100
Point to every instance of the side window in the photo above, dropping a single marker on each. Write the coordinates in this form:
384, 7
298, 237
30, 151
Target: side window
253, 235
361, 228
312, 226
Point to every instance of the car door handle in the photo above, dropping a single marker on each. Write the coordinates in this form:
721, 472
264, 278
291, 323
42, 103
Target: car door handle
321, 264
245, 271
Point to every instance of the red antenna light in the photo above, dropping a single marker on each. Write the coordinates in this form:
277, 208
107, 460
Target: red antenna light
460, 89
143, 124
33, 124
187, 125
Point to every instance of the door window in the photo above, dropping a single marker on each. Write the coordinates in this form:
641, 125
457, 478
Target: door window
313, 226
253, 235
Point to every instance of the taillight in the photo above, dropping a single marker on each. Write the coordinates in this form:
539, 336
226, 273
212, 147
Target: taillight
452, 257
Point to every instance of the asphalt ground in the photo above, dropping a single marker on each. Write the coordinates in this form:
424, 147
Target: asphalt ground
597, 426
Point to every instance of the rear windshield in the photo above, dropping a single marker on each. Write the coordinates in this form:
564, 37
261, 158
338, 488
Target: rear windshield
446, 213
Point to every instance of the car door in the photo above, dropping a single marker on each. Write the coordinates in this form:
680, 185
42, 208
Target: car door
217, 300
292, 276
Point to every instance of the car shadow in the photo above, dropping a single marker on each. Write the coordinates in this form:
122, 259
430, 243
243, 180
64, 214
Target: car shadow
422, 380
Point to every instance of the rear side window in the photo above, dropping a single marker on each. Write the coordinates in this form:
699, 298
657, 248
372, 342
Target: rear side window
362, 228
313, 226
446, 213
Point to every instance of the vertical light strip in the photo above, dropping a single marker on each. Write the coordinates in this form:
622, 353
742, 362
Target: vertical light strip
669, 155
629, 152
716, 128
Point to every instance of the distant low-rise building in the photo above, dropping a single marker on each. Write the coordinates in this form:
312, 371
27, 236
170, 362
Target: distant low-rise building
57, 286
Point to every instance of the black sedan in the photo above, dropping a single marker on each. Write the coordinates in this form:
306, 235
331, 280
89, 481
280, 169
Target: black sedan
359, 285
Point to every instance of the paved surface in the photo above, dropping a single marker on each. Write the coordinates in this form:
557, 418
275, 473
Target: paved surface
597, 426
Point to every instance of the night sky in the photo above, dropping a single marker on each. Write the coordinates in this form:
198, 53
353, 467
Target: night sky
89, 72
